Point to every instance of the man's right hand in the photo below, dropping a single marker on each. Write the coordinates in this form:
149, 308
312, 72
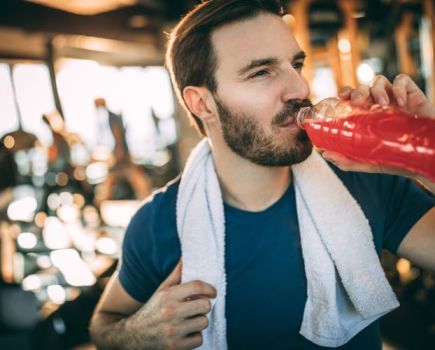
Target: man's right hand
175, 316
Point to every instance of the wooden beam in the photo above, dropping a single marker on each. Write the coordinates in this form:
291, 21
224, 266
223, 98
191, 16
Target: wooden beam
334, 61
113, 25
401, 36
301, 30
429, 10
7, 251
349, 61
50, 64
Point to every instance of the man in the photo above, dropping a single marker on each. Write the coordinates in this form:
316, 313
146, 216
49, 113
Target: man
111, 131
237, 69
112, 134
59, 153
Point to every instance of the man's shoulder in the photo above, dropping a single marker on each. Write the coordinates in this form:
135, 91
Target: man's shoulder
156, 216
151, 245
161, 200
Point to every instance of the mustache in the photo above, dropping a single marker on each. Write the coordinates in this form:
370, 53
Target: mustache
290, 110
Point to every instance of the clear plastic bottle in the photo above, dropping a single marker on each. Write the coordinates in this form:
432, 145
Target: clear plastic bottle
373, 134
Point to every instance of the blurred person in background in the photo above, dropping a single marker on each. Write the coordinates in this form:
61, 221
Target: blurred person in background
61, 168
237, 69
59, 153
111, 132
125, 180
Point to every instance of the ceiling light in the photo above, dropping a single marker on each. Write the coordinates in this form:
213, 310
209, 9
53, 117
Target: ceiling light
85, 7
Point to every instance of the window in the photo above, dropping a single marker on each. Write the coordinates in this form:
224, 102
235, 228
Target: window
9, 117
134, 92
33, 92
32, 82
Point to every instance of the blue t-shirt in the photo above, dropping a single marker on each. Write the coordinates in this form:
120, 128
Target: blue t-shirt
266, 283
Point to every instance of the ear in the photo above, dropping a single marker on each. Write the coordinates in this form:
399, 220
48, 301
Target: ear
198, 101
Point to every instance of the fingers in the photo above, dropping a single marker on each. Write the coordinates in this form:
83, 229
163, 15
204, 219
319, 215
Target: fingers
359, 96
193, 289
401, 85
186, 336
345, 92
196, 307
403, 92
193, 341
174, 277
194, 325
406, 91
180, 292
381, 90
409, 95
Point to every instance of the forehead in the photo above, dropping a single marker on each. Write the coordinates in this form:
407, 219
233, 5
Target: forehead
237, 44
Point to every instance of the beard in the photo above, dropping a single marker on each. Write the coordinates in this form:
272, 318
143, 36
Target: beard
245, 136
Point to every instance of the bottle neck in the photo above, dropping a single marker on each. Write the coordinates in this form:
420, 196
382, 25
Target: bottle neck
303, 114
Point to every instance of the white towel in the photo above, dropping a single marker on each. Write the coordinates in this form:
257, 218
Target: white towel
346, 286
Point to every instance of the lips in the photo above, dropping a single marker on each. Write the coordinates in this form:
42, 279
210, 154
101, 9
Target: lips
288, 122
287, 116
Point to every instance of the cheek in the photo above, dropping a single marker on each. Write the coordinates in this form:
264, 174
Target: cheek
262, 106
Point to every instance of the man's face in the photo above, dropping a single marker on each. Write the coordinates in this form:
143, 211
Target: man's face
260, 89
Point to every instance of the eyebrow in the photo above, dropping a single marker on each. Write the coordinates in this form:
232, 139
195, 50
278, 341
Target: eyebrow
301, 55
258, 63
268, 61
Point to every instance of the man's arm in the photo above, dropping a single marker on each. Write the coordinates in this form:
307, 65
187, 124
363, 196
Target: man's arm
108, 325
419, 244
173, 318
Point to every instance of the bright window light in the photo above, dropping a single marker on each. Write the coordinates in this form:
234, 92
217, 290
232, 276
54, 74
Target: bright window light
9, 112
133, 92
77, 86
27, 240
118, 213
43, 262
74, 269
55, 234
35, 98
106, 245
365, 73
22, 209
344, 45
323, 84
56, 294
32, 282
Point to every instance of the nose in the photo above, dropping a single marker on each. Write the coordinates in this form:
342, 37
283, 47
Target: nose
294, 86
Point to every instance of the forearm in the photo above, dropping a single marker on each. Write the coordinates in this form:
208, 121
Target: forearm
113, 332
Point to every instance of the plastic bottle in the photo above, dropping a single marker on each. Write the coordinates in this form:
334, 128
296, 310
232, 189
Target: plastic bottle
373, 134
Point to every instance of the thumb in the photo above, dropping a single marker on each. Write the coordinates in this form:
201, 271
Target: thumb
345, 92
174, 277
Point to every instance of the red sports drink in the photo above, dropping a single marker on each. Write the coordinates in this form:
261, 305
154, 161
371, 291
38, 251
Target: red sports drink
372, 134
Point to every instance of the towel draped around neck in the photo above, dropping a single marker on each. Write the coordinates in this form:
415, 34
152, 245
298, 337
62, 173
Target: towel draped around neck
346, 286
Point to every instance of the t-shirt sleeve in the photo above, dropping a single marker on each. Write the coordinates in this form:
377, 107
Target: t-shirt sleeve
137, 272
407, 204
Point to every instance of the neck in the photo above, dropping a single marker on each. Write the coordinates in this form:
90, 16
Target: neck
246, 185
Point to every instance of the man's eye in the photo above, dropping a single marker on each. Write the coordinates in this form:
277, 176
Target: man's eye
259, 74
298, 65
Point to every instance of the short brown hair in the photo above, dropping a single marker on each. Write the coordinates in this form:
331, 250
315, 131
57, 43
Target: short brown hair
190, 57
